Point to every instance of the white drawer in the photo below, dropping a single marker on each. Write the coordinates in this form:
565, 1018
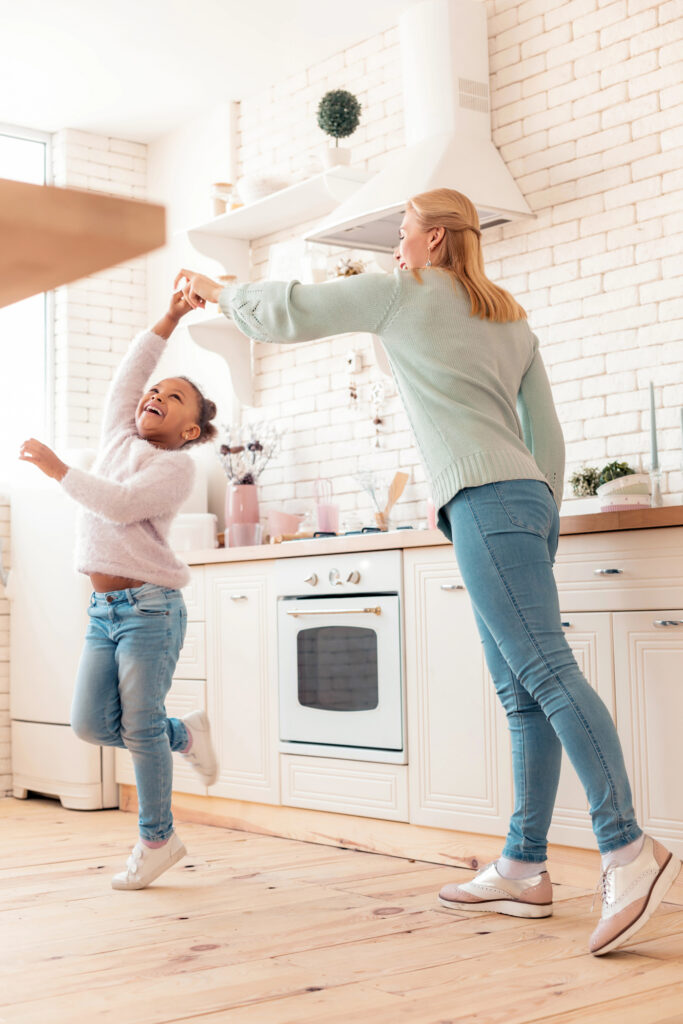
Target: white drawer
628, 570
194, 595
185, 695
348, 787
192, 660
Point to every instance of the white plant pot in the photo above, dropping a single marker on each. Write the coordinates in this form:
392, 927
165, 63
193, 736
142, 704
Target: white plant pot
336, 156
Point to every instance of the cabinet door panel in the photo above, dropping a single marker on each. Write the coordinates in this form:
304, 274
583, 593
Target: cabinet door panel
649, 695
590, 637
242, 682
458, 745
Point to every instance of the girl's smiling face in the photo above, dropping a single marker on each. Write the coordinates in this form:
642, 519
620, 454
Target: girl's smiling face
414, 243
167, 414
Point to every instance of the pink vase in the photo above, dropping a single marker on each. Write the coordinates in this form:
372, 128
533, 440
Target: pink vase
242, 515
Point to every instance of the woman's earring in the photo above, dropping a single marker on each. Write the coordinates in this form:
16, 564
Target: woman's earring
429, 262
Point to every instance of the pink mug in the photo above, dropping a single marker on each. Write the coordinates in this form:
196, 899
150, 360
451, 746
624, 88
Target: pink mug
431, 515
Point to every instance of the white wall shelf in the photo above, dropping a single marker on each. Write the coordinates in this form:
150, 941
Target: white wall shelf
296, 204
218, 334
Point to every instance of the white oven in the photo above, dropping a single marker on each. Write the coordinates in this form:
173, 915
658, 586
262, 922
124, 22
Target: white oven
340, 656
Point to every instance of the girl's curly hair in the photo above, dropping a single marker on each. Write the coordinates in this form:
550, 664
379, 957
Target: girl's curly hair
206, 412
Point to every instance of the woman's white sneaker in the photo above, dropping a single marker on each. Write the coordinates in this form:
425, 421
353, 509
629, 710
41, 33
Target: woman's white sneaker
489, 892
201, 754
631, 893
145, 864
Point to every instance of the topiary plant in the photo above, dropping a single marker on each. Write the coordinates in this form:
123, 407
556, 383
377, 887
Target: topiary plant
339, 114
613, 470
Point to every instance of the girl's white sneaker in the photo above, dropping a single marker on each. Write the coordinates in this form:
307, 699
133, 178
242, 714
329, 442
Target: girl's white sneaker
145, 863
201, 754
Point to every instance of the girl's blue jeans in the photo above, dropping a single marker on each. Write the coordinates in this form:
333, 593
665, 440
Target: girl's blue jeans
131, 648
505, 537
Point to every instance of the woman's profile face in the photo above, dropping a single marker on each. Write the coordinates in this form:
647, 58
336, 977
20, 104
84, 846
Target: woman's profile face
413, 248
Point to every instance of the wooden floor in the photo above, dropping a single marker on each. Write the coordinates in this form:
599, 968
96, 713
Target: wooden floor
253, 929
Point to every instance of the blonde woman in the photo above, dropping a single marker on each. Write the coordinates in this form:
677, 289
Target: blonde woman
470, 374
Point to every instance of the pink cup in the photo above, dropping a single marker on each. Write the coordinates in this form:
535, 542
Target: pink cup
328, 518
431, 515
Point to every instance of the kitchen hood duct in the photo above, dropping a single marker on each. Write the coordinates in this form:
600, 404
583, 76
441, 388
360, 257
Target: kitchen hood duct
444, 56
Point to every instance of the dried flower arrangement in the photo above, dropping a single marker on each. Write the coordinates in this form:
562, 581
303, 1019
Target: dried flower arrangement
349, 268
246, 450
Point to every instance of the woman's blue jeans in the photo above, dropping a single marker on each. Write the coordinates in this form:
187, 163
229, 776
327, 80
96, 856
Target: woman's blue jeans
505, 537
131, 648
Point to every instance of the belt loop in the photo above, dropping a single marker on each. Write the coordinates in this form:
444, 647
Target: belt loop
131, 599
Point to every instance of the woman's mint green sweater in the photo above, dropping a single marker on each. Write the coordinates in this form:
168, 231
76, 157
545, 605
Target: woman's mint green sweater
475, 392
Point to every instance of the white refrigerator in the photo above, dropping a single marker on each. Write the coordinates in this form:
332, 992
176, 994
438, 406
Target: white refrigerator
48, 619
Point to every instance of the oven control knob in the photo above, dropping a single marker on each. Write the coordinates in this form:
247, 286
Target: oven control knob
353, 577
312, 579
335, 579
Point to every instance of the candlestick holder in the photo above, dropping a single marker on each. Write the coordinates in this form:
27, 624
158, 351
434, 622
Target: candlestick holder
656, 488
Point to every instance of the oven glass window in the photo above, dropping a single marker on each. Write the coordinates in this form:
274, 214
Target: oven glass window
337, 668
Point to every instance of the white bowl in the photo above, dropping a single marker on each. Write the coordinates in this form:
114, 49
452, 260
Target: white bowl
634, 483
253, 187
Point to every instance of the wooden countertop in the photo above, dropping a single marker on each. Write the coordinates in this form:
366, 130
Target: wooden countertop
598, 522
637, 519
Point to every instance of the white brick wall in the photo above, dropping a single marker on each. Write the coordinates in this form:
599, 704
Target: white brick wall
5, 769
95, 318
588, 113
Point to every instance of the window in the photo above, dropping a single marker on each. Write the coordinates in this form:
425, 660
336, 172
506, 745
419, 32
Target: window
25, 408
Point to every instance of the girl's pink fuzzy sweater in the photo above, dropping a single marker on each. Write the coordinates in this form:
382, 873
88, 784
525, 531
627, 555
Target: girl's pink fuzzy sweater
135, 489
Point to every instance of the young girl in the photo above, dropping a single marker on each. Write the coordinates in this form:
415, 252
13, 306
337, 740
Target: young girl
471, 377
138, 619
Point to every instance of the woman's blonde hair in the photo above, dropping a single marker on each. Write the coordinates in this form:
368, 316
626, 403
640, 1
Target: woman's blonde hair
459, 251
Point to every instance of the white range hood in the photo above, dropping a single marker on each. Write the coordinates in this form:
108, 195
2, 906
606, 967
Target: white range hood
444, 53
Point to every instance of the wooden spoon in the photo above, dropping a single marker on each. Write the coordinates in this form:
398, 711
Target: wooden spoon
395, 492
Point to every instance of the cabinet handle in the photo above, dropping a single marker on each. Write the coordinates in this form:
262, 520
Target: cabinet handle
345, 611
238, 597
607, 572
668, 622
452, 586
566, 625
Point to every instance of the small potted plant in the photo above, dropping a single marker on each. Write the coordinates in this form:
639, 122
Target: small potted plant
338, 116
621, 488
584, 482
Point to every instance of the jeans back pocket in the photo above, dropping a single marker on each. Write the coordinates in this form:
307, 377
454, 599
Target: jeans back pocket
528, 504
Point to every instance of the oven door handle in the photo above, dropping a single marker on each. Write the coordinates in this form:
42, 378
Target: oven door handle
344, 611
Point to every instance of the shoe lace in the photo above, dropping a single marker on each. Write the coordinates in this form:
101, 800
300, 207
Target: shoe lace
135, 859
605, 887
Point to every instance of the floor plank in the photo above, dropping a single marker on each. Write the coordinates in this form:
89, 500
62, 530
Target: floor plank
257, 929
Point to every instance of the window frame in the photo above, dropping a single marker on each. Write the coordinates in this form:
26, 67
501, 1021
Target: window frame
33, 135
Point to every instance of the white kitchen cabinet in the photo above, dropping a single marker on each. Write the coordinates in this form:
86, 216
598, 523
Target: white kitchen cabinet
366, 788
459, 758
589, 635
188, 689
648, 661
242, 679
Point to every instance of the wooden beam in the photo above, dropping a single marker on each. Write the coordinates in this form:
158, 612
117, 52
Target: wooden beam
50, 236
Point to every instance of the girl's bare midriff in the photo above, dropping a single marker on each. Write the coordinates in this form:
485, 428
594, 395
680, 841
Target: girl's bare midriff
102, 584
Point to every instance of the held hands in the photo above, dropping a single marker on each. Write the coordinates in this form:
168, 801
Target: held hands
178, 306
199, 289
44, 458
